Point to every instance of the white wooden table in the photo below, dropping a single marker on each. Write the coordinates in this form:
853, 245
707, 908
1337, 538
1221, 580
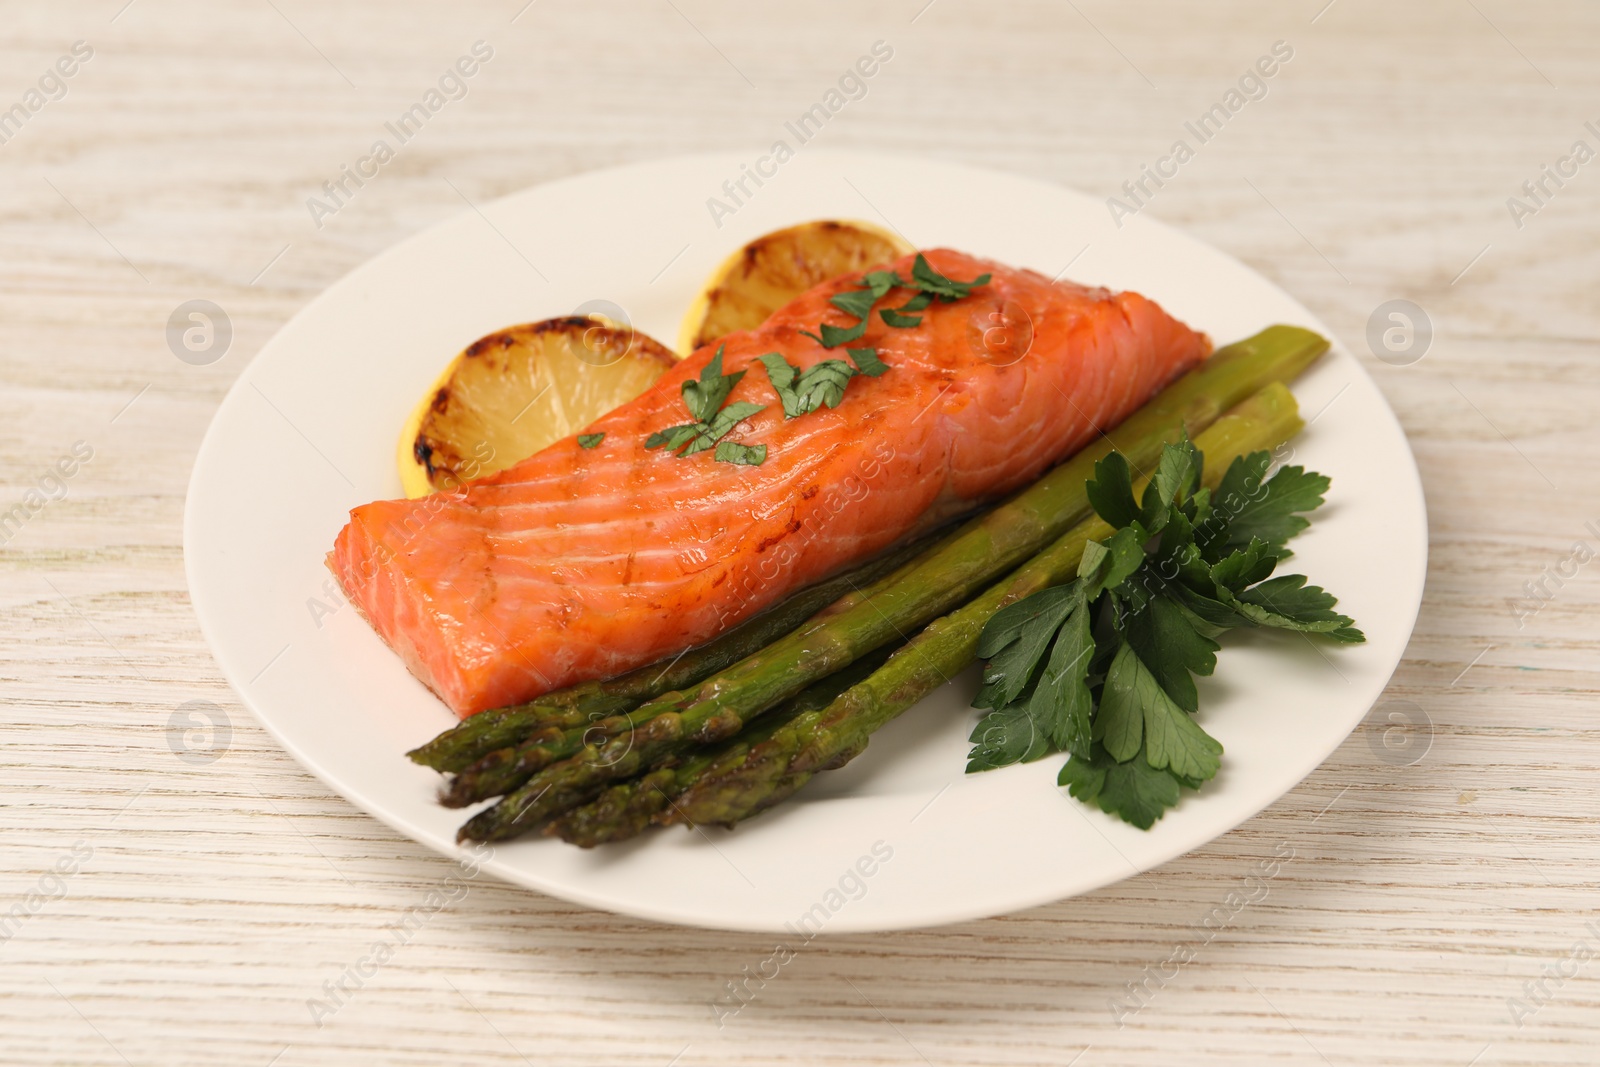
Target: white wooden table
173, 910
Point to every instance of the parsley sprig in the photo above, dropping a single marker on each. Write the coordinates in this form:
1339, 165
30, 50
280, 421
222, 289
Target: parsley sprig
1103, 667
706, 400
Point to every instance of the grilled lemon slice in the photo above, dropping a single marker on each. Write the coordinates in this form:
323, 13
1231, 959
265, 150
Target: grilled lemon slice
519, 390
772, 270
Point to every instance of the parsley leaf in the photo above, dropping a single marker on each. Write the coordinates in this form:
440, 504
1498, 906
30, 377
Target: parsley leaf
1111, 491
834, 336
804, 392
1054, 709
1005, 737
1247, 505
720, 425
589, 440
714, 417
857, 302
1275, 517
1015, 639
1061, 701
1176, 475
1135, 710
823, 384
1287, 603
1133, 791
673, 437
705, 396
1245, 567
743, 455
782, 374
867, 362
1172, 649
880, 282
895, 317
1213, 613
932, 282
1120, 724
1113, 560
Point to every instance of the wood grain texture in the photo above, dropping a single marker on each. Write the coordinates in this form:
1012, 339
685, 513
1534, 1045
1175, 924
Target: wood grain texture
219, 897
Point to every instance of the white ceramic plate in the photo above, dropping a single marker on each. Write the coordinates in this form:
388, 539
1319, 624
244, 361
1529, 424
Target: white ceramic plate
308, 432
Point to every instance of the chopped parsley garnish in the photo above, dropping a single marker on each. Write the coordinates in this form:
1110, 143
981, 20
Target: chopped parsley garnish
931, 282
880, 282
1103, 667
744, 455
589, 440
893, 317
875, 285
857, 302
706, 400
674, 437
822, 385
704, 397
834, 336
867, 362
803, 392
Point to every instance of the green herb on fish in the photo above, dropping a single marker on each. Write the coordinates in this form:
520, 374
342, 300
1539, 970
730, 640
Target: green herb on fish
706, 400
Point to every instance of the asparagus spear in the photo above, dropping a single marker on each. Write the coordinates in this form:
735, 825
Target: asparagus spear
830, 738
505, 769
557, 770
943, 578
579, 706
628, 808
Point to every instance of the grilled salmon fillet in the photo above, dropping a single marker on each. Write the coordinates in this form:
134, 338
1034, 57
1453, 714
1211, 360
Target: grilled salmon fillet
580, 563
